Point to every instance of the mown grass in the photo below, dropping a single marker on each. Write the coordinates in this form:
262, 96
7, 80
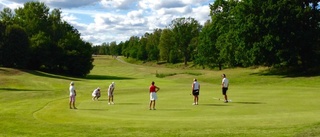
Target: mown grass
35, 103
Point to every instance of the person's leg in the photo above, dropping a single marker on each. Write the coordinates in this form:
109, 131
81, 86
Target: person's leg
226, 97
112, 99
70, 104
154, 104
74, 104
194, 99
197, 99
224, 92
150, 104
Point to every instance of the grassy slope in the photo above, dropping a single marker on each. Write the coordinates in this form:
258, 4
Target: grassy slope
36, 103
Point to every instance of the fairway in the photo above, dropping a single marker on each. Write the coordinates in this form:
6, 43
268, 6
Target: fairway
35, 103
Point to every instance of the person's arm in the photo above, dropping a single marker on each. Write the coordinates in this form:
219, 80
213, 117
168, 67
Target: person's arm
157, 89
222, 83
75, 93
192, 88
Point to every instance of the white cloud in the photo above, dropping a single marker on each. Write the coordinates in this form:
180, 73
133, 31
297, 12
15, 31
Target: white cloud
119, 4
5, 4
101, 21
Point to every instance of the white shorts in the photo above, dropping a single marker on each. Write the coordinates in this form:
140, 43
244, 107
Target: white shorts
110, 94
153, 96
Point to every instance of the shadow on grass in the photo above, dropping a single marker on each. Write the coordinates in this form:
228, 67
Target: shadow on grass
223, 105
289, 72
92, 109
15, 89
173, 109
129, 103
48, 75
249, 102
103, 100
65, 77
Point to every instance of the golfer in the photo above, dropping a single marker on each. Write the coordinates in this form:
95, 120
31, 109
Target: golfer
224, 86
110, 93
73, 94
153, 95
195, 91
96, 94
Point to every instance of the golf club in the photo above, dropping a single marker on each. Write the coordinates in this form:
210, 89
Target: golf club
221, 99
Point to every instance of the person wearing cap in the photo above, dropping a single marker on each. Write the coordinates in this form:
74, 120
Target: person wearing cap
73, 94
110, 93
96, 94
195, 91
153, 95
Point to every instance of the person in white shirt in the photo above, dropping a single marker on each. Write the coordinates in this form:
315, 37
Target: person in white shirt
195, 91
224, 86
72, 95
110, 93
96, 94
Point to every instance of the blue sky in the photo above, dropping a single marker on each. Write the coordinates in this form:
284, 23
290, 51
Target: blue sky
101, 21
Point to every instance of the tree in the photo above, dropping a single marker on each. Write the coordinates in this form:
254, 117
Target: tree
113, 48
40, 51
6, 16
142, 52
77, 54
184, 30
166, 44
207, 53
2, 40
33, 16
50, 39
15, 50
152, 46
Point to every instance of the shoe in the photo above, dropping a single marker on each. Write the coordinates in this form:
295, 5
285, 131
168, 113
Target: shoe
196, 103
154, 108
226, 101
150, 109
109, 103
74, 108
193, 103
112, 103
70, 107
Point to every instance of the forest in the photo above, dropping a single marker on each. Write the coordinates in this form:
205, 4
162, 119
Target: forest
35, 38
240, 33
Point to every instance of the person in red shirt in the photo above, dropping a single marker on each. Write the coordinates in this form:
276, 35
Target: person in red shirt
153, 95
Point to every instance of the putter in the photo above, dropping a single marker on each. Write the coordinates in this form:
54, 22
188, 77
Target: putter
221, 99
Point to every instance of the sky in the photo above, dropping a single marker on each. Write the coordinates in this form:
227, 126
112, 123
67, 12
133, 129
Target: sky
105, 21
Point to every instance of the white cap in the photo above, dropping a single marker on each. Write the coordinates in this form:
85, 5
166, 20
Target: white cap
98, 88
71, 83
112, 83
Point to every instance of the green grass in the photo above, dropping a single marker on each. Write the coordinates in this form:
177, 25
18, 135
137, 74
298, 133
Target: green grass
34, 103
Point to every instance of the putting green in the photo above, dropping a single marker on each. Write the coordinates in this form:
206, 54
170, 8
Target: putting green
262, 105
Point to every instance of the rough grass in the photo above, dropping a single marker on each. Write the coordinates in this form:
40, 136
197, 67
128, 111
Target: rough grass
34, 103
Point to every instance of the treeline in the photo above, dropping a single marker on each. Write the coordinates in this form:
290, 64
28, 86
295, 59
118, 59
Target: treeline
35, 37
241, 33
